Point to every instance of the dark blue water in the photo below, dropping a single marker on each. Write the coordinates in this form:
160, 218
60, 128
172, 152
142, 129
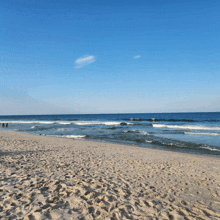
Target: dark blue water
187, 132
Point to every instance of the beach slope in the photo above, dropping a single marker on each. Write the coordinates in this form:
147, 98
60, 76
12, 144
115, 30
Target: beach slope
55, 178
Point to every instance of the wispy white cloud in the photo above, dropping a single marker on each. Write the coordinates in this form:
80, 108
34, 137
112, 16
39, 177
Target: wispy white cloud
136, 57
83, 61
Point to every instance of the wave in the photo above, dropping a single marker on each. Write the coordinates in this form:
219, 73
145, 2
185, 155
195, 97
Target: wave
67, 136
108, 123
153, 119
181, 145
111, 123
136, 119
135, 131
158, 119
29, 122
112, 128
97, 123
149, 142
64, 123
53, 122
37, 122
186, 120
191, 127
209, 148
141, 119
75, 136
126, 123
38, 128
212, 134
41, 128
65, 129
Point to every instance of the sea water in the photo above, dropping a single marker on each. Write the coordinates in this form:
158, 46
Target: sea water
187, 132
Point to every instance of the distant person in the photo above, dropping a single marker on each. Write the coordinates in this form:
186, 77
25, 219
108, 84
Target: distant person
3, 125
6, 125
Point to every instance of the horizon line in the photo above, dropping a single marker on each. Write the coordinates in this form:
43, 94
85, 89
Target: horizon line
112, 113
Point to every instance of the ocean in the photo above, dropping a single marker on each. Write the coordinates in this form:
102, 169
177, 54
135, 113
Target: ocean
197, 133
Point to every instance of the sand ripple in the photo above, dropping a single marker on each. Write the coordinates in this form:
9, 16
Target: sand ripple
54, 178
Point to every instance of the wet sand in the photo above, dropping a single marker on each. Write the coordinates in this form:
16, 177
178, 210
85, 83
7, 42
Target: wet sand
54, 178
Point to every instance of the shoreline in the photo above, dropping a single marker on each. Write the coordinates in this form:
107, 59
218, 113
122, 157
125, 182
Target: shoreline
123, 144
44, 177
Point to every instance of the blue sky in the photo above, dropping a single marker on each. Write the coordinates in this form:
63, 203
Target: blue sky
78, 56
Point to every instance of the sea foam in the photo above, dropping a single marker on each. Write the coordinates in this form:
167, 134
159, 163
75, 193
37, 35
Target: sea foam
191, 127
28, 122
209, 148
97, 123
212, 134
75, 136
64, 123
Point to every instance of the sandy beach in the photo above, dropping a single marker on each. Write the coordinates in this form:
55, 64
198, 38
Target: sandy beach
55, 178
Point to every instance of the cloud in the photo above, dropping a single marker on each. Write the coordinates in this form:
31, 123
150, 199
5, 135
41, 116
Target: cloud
136, 57
83, 61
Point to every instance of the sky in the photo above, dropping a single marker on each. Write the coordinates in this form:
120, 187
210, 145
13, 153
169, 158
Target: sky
83, 56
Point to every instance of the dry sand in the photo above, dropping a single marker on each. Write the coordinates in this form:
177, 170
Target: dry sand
54, 178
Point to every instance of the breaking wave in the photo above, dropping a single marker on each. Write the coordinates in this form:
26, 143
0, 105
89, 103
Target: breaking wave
75, 136
37, 122
111, 123
158, 119
29, 122
191, 127
97, 123
212, 134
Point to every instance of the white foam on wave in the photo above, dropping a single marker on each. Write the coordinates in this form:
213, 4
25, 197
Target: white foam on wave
68, 123
97, 123
212, 134
64, 123
131, 131
191, 127
128, 123
28, 122
75, 136
33, 127
209, 148
149, 142
68, 136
